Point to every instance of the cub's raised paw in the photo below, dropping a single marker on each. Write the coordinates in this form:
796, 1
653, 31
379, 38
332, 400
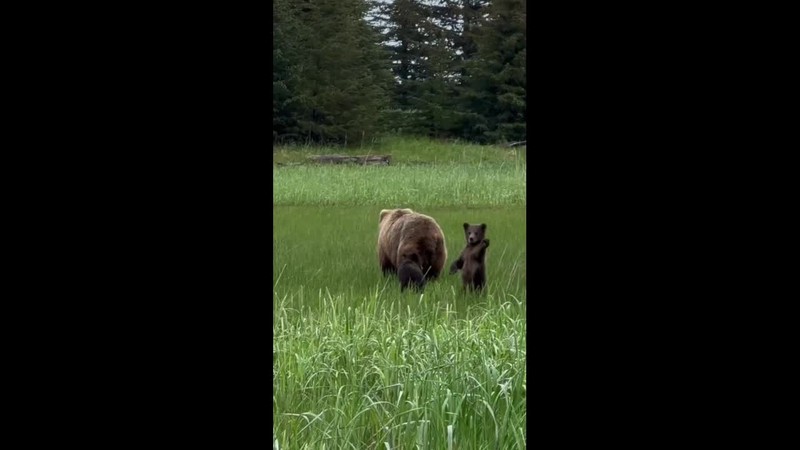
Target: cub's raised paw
486, 242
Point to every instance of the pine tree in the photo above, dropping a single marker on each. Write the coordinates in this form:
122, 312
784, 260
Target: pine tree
416, 39
284, 122
336, 79
494, 91
463, 19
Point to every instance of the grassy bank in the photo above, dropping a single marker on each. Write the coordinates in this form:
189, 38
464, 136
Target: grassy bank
408, 150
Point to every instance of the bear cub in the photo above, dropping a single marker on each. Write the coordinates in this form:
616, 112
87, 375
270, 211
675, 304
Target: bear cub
472, 261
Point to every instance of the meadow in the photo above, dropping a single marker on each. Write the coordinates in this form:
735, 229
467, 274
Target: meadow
358, 364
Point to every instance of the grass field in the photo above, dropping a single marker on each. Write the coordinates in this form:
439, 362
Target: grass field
358, 364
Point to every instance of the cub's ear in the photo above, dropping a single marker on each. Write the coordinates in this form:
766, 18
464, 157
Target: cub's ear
383, 213
466, 225
483, 226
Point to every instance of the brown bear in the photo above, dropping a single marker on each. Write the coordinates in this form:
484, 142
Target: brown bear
472, 261
411, 245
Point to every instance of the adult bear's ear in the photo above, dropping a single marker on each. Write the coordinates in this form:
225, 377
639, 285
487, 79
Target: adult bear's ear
383, 213
466, 225
483, 226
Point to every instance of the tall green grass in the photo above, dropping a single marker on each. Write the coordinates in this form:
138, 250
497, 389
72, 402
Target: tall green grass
334, 248
373, 373
437, 185
358, 364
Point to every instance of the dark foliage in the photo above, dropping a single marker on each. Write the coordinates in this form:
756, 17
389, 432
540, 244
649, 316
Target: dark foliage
347, 70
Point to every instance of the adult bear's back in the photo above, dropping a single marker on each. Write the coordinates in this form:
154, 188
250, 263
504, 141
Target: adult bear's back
412, 244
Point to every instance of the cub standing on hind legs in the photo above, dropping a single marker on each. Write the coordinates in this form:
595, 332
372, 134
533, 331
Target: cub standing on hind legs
472, 261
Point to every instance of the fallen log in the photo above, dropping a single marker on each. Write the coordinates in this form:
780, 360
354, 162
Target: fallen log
371, 160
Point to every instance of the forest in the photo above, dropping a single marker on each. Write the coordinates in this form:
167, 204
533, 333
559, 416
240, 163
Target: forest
346, 72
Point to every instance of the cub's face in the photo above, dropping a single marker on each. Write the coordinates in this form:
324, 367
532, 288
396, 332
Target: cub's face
474, 233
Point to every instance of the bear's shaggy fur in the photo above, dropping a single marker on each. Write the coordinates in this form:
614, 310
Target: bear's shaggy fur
472, 261
411, 245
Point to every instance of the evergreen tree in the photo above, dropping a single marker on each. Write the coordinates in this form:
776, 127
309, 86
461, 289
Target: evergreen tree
418, 45
494, 92
330, 78
463, 19
286, 57
447, 68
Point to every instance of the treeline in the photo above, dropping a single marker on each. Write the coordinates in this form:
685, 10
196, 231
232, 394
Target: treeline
345, 71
